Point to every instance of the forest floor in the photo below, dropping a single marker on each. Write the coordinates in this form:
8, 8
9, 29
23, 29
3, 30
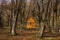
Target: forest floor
27, 35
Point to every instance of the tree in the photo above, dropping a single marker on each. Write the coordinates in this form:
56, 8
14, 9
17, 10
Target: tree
15, 10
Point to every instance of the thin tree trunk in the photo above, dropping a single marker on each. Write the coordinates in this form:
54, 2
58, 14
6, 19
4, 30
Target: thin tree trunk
12, 30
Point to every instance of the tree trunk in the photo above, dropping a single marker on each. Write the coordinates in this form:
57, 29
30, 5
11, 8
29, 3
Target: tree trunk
12, 30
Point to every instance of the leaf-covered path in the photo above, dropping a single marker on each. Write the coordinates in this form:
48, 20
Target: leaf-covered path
25, 35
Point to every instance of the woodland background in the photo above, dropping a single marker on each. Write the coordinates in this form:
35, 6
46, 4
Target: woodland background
16, 12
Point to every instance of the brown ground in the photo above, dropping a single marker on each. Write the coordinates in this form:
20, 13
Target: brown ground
27, 35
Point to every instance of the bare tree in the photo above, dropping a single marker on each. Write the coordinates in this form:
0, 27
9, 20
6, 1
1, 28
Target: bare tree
16, 10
